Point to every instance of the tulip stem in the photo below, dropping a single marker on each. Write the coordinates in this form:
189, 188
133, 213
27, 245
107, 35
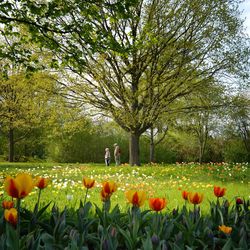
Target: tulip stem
218, 202
38, 200
85, 197
18, 217
194, 213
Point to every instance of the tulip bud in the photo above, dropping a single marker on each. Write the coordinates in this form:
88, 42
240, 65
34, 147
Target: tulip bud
155, 239
226, 203
239, 201
175, 212
113, 232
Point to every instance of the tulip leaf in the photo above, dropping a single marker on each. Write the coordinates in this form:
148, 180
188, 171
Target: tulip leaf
228, 245
243, 243
176, 247
128, 240
221, 216
147, 244
42, 210
12, 241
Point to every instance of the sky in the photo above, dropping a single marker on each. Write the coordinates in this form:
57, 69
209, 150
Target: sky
245, 7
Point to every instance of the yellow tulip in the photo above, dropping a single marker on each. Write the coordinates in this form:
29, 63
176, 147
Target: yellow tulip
108, 188
41, 182
88, 183
137, 198
20, 186
10, 215
225, 229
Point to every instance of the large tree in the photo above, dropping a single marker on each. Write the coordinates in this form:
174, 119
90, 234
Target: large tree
132, 60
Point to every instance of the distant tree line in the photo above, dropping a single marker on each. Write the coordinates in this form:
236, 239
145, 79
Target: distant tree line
88, 141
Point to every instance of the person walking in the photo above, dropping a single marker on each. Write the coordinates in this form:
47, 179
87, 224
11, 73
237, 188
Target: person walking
107, 156
117, 154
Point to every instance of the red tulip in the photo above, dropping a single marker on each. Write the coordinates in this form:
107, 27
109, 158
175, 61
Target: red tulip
219, 192
7, 204
184, 195
239, 201
41, 182
195, 198
157, 204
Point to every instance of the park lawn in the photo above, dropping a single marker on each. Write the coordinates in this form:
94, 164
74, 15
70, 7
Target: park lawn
158, 180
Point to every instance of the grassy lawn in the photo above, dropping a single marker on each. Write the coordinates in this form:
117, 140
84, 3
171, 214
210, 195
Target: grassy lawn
157, 180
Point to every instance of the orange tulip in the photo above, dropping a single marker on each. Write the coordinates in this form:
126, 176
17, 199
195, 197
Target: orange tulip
20, 186
88, 183
7, 204
137, 198
195, 198
224, 229
219, 192
108, 188
104, 196
41, 182
10, 215
184, 195
157, 204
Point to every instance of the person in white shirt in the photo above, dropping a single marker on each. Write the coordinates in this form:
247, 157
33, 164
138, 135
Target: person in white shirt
107, 156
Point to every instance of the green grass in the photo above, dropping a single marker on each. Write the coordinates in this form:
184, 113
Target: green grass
157, 180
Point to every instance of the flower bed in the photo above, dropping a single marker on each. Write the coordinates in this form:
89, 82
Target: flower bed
226, 226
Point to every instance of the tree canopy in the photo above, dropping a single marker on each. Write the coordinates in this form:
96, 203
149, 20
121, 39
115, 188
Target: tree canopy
133, 60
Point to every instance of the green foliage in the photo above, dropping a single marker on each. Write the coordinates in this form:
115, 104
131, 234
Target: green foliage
235, 151
177, 229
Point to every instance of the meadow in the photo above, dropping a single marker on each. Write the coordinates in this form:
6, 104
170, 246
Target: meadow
157, 180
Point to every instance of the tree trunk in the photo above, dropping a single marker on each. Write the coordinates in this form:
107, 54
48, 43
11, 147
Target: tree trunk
152, 146
11, 145
134, 159
200, 153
